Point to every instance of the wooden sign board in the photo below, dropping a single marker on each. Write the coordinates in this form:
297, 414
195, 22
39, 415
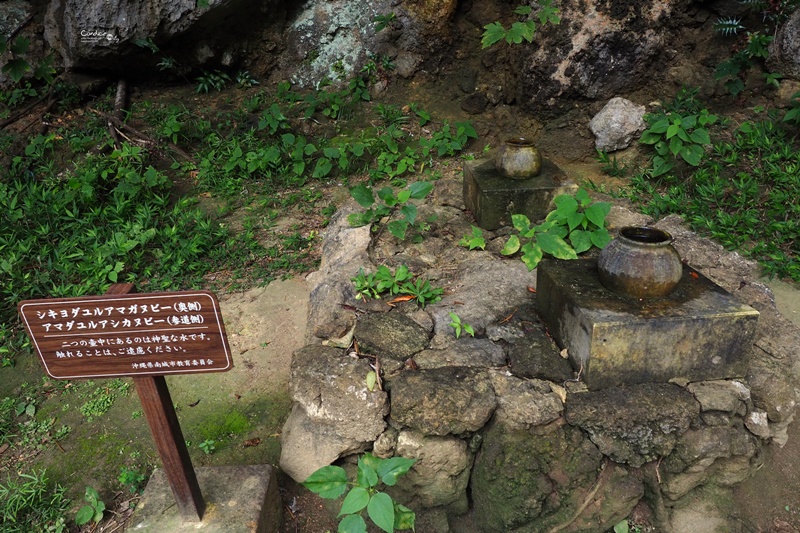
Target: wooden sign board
128, 335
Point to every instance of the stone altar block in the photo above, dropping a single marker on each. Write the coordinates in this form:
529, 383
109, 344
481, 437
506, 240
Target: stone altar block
699, 332
493, 198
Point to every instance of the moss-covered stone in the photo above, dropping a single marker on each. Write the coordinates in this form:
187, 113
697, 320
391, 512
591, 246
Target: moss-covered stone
527, 479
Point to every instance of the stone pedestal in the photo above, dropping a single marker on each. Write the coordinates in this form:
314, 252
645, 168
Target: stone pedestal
493, 198
239, 499
699, 332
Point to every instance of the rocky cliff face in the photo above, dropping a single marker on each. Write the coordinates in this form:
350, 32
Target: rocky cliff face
600, 49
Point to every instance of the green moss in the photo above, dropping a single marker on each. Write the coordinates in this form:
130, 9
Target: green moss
223, 425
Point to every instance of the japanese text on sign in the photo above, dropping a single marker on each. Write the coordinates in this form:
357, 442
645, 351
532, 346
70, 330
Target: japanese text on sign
131, 334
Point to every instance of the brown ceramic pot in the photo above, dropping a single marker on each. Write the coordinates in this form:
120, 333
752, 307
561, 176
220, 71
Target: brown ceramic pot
641, 262
518, 158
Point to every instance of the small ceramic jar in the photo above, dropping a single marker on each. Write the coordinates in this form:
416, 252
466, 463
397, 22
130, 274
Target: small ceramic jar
518, 158
641, 263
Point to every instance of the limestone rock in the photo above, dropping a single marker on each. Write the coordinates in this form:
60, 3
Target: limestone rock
635, 424
718, 454
598, 50
466, 351
441, 473
531, 480
778, 431
721, 395
487, 288
770, 387
620, 216
307, 445
619, 492
386, 443
344, 252
390, 334
12, 14
475, 103
616, 125
756, 422
784, 51
442, 401
102, 34
536, 356
331, 388
524, 404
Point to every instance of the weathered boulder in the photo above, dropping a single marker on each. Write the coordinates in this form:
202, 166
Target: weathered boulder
771, 390
103, 34
466, 351
307, 445
538, 481
487, 287
344, 253
720, 400
523, 404
334, 412
784, 51
390, 335
616, 125
600, 49
536, 356
440, 476
331, 388
634, 425
724, 455
442, 401
334, 39
12, 14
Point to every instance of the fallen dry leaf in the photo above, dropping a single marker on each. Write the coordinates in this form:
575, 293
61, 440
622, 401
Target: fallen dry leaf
251, 442
564, 353
404, 298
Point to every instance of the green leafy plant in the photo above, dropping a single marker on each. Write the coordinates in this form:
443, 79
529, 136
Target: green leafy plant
208, 446
576, 218
730, 70
380, 282
391, 201
793, 115
93, 511
423, 117
422, 291
216, 80
29, 503
458, 325
610, 165
26, 406
473, 240
673, 136
330, 482
382, 21
446, 142
400, 282
100, 399
522, 29
17, 67
131, 478
742, 194
728, 25
245, 80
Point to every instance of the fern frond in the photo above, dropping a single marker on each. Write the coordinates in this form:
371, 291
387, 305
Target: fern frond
728, 26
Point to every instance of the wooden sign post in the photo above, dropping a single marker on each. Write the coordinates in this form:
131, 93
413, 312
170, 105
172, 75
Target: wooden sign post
144, 336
